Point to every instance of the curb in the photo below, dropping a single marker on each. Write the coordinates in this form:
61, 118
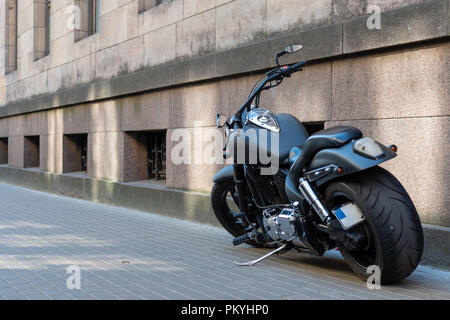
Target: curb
186, 205
436, 252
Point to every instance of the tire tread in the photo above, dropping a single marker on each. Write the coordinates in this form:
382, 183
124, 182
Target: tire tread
399, 228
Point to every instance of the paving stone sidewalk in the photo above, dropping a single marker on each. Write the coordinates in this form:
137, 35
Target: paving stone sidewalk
126, 254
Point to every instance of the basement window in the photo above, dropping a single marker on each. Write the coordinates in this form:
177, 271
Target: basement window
145, 156
3, 150
31, 152
314, 127
145, 5
75, 153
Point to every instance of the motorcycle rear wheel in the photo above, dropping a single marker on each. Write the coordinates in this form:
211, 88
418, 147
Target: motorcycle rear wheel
392, 225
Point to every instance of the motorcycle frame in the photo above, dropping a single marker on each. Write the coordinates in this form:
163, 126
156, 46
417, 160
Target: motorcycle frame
238, 169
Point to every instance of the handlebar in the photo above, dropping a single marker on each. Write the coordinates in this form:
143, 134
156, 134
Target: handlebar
298, 66
288, 70
275, 74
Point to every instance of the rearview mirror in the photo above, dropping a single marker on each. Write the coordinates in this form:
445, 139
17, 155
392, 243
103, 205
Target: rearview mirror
221, 120
293, 48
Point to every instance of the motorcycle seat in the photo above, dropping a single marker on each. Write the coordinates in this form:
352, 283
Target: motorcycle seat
333, 137
329, 138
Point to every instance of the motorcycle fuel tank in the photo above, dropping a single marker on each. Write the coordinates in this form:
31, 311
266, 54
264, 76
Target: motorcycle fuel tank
266, 136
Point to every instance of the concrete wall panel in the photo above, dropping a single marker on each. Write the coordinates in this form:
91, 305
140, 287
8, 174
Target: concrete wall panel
405, 83
240, 22
51, 149
106, 116
193, 7
146, 112
16, 126
52, 122
413, 23
160, 16
105, 155
121, 59
31, 124
15, 151
291, 14
198, 103
76, 119
196, 174
196, 36
160, 46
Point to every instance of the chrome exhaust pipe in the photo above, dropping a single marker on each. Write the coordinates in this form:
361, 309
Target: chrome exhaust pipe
310, 196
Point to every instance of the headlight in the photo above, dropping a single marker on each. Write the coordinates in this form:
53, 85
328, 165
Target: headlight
264, 119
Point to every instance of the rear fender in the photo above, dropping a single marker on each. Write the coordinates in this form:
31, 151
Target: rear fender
343, 157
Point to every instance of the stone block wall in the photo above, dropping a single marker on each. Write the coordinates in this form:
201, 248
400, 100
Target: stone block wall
408, 108
183, 61
177, 30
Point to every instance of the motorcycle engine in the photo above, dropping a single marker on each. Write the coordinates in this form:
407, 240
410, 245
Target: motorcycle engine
282, 225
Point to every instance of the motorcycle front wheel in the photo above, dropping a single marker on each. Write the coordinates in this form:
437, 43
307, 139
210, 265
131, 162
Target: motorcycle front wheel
224, 200
394, 236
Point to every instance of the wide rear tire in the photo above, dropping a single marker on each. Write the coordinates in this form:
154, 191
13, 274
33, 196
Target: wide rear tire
391, 219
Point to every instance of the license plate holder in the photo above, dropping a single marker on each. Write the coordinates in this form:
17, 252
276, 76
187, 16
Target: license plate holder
349, 215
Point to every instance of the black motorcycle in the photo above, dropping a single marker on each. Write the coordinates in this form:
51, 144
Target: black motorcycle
327, 190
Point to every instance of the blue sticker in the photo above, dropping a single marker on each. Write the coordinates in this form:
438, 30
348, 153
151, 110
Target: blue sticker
340, 214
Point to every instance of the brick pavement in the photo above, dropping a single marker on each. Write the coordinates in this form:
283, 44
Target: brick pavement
126, 254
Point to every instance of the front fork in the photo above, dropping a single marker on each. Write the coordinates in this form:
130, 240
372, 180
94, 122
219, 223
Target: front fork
241, 188
240, 181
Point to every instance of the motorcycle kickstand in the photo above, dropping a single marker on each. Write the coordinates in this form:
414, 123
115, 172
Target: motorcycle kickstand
251, 263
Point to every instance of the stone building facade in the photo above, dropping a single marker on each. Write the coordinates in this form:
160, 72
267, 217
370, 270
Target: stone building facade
95, 80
